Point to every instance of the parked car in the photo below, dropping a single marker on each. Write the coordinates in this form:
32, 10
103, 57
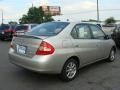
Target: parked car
22, 29
116, 35
61, 48
108, 29
6, 32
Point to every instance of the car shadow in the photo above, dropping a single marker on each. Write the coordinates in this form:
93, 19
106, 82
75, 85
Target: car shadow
92, 66
35, 77
8, 40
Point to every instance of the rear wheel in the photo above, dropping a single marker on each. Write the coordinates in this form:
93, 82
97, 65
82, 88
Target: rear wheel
70, 70
2, 39
112, 55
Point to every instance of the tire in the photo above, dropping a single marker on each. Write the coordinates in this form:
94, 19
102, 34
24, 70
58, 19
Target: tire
70, 70
112, 55
2, 39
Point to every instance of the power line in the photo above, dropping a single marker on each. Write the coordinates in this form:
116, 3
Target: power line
2, 15
83, 12
91, 11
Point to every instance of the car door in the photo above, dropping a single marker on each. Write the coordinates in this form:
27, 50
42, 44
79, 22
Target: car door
118, 36
118, 33
102, 42
84, 45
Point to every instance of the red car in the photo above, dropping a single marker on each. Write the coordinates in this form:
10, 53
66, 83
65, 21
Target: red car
6, 32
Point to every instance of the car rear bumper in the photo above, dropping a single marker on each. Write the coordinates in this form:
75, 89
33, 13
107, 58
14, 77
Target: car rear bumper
43, 64
1, 35
6, 36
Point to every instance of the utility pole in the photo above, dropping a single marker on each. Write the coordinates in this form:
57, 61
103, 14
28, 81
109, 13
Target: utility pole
32, 5
98, 17
2, 16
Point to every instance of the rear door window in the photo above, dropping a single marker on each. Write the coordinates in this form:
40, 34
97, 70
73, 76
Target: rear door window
19, 28
81, 32
97, 32
1, 28
4, 27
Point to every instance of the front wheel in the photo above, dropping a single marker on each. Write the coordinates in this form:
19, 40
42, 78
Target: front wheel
112, 56
70, 70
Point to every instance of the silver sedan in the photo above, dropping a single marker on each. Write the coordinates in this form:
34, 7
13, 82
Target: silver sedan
61, 48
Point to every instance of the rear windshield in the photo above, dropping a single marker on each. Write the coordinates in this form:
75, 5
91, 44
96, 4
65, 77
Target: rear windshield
4, 27
48, 29
1, 28
18, 28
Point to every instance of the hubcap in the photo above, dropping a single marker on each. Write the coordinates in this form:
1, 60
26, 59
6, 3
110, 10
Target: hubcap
71, 70
112, 56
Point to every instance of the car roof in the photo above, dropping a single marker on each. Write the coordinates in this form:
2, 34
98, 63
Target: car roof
79, 22
61, 21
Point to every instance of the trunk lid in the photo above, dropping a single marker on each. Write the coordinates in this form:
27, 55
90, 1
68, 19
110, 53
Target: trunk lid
26, 45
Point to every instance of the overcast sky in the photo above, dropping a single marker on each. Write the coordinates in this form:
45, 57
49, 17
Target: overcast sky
72, 9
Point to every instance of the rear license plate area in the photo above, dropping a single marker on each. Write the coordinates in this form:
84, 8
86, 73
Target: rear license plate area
21, 49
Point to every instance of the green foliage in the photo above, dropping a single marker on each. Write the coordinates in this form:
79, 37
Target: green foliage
47, 18
12, 23
35, 15
110, 20
92, 20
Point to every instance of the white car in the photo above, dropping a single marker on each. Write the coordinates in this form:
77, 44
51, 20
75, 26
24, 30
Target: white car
23, 28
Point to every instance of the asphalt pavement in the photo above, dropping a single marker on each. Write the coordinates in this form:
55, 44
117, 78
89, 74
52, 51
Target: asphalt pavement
99, 76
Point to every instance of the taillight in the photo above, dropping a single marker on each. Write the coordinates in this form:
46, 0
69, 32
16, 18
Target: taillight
26, 30
8, 30
45, 49
11, 45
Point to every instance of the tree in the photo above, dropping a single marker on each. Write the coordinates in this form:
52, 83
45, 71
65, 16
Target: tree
92, 20
47, 18
110, 20
35, 15
23, 20
12, 23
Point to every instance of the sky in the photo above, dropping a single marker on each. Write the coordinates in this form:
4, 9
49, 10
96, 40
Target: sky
75, 10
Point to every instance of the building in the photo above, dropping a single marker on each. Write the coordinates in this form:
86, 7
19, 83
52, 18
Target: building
52, 10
